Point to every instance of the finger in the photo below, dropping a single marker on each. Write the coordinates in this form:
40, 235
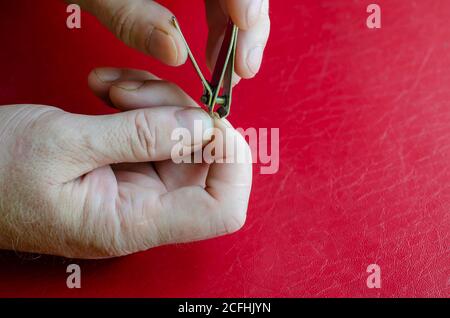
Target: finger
230, 176
251, 45
218, 209
89, 142
251, 41
100, 80
141, 94
142, 24
212, 52
178, 175
142, 175
244, 13
217, 22
153, 93
128, 89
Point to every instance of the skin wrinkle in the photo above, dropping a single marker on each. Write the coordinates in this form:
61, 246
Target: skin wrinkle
116, 19
132, 89
104, 245
146, 135
123, 215
5, 126
117, 16
106, 211
131, 29
99, 78
170, 37
158, 237
81, 217
122, 228
123, 24
164, 236
120, 22
27, 219
160, 178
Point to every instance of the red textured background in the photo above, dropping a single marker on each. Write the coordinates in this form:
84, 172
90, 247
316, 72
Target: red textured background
364, 151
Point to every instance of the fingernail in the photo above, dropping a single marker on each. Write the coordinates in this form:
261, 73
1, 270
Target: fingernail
130, 85
226, 123
235, 79
196, 121
162, 46
253, 12
108, 75
254, 59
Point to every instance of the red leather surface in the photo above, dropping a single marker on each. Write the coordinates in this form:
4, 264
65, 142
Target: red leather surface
364, 152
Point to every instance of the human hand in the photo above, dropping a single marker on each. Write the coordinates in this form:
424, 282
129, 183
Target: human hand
146, 26
102, 186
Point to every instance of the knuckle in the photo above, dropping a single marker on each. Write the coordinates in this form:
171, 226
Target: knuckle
145, 135
123, 22
147, 37
233, 222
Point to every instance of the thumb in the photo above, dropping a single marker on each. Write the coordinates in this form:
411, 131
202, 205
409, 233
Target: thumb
135, 136
142, 24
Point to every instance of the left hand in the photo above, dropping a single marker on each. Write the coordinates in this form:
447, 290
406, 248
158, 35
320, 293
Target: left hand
102, 186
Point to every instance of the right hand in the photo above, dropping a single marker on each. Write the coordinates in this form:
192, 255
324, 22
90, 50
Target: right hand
146, 25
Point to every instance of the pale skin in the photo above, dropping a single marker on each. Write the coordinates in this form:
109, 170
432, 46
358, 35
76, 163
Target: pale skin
146, 25
103, 186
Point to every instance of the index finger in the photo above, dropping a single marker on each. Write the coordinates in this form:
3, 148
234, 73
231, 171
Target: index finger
252, 37
244, 13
